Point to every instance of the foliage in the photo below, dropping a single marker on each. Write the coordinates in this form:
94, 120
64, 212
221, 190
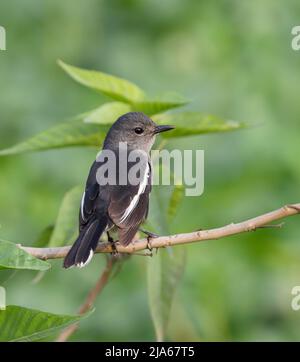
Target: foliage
13, 257
18, 324
89, 129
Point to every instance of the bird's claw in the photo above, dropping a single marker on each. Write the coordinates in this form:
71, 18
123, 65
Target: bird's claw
149, 246
150, 236
115, 252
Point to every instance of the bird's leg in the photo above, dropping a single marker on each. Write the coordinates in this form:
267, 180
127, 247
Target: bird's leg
150, 235
113, 245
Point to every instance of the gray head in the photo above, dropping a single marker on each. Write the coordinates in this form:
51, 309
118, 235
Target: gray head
136, 129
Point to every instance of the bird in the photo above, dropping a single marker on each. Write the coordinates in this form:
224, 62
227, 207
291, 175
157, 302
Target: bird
121, 206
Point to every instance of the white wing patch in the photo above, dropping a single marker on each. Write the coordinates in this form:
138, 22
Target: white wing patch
136, 198
81, 265
82, 206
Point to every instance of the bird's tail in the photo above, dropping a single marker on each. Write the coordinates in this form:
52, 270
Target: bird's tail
83, 249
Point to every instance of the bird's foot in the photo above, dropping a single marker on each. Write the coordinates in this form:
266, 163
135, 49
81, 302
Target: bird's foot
150, 236
115, 252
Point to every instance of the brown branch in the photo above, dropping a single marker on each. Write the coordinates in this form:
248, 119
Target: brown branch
172, 240
90, 299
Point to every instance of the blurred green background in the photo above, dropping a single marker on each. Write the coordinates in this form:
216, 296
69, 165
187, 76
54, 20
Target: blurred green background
233, 59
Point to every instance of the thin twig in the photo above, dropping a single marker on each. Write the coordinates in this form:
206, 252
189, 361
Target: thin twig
172, 240
274, 226
89, 302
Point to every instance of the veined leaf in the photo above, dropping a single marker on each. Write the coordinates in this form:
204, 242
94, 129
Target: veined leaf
194, 123
66, 134
111, 86
160, 104
108, 113
13, 257
122, 90
66, 227
22, 324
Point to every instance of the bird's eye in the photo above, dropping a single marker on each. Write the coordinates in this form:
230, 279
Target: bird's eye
138, 130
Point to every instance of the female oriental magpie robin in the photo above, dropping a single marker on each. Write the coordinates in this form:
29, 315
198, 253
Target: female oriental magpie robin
120, 205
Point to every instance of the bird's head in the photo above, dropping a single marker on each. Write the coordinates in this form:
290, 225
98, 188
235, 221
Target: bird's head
136, 129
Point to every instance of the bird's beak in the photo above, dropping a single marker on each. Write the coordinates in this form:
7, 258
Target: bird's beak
159, 129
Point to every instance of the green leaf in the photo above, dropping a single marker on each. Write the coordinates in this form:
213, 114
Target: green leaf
108, 113
164, 272
175, 200
164, 202
109, 85
42, 242
66, 228
44, 237
77, 133
13, 257
157, 217
23, 324
160, 104
66, 134
122, 90
195, 123
166, 267
6, 275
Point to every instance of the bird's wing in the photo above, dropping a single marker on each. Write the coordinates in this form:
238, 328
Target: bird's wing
94, 198
93, 220
128, 206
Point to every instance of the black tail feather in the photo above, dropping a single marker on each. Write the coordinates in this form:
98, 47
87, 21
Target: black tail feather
83, 249
69, 260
